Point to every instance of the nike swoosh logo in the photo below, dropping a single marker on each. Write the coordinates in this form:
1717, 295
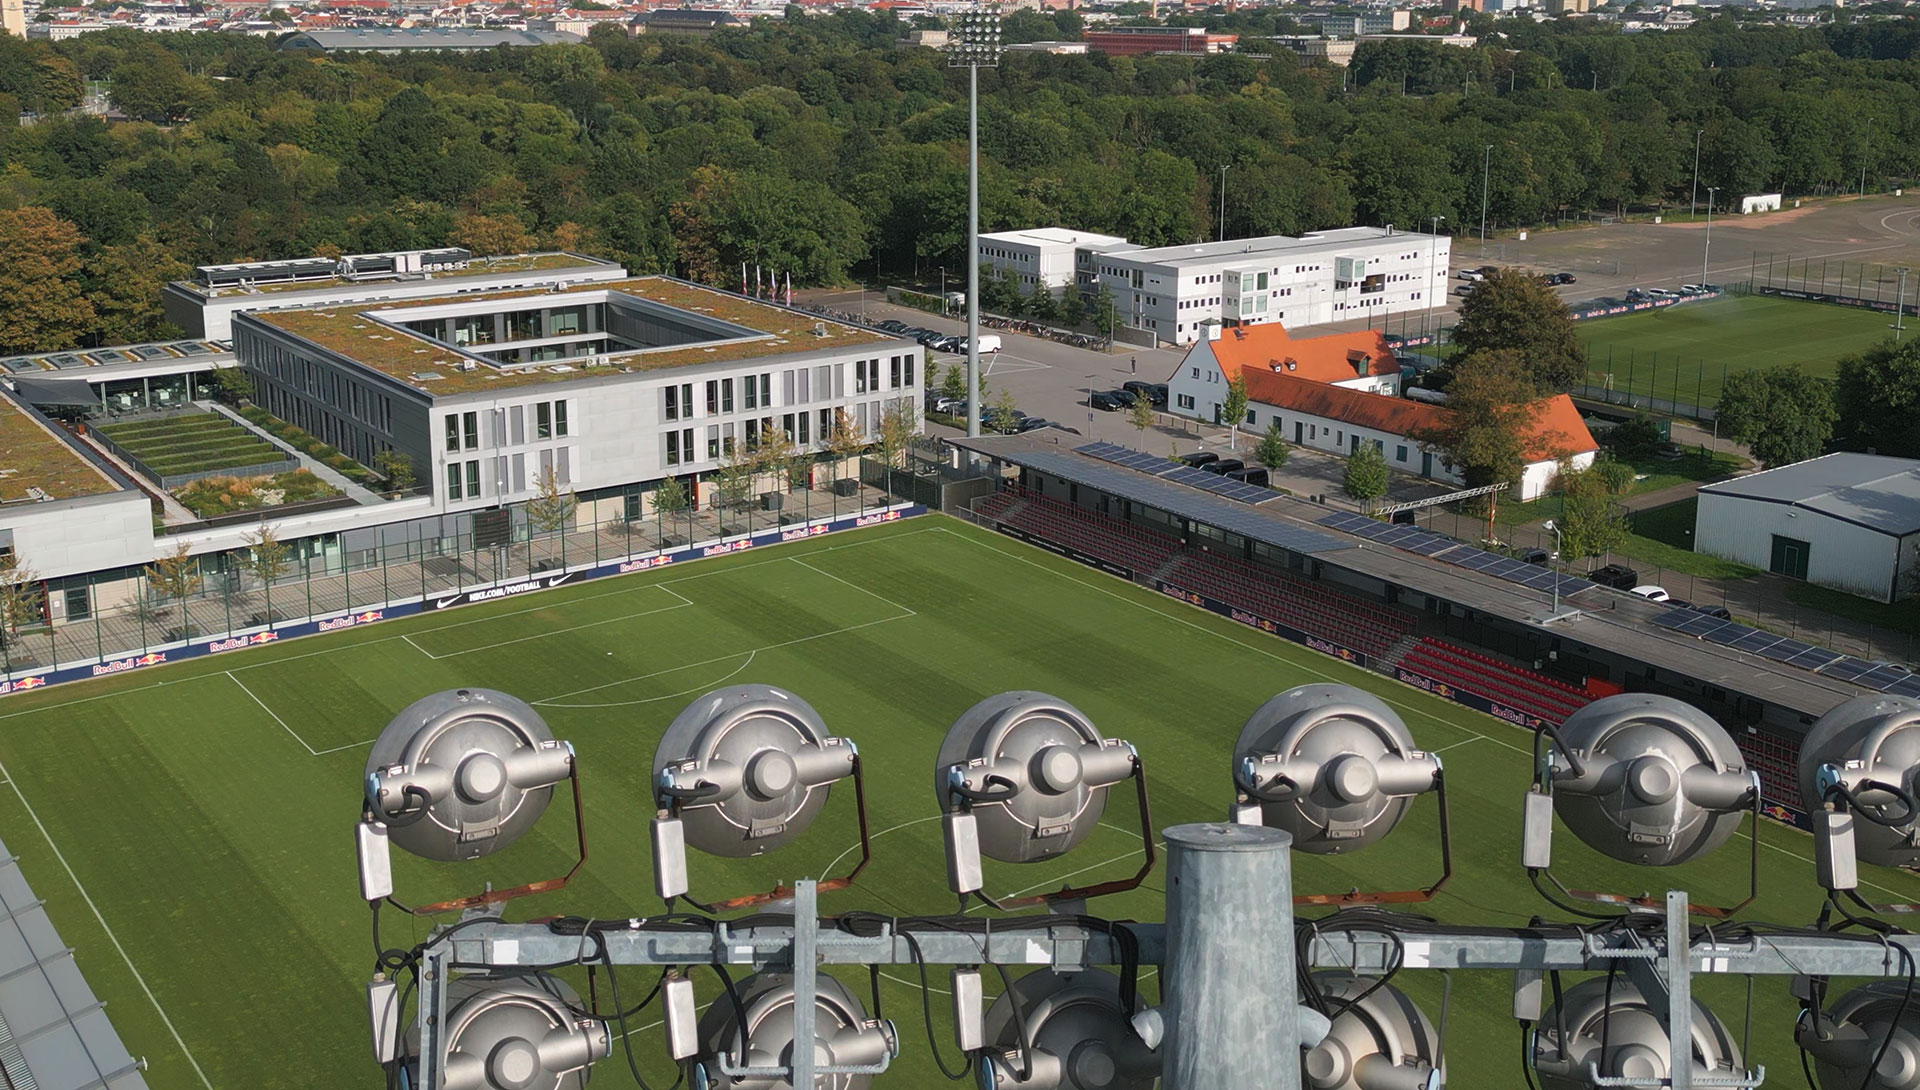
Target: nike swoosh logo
442, 603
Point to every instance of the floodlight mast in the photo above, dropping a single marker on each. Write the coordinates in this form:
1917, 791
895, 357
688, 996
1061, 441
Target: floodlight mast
974, 44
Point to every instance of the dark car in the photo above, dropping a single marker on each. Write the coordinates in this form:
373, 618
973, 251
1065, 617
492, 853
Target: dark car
1536, 556
1156, 391
1487, 270
1617, 576
1224, 466
1111, 401
892, 325
1033, 423
1253, 475
1560, 278
1199, 458
1634, 295
929, 336
1712, 611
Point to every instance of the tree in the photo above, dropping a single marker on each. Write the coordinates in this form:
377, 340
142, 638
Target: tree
1782, 414
1273, 450
176, 577
552, 506
1141, 415
1513, 310
1100, 309
1073, 306
267, 560
1366, 477
898, 425
490, 235
396, 467
1877, 397
1234, 409
231, 385
1591, 521
954, 384
123, 283
1614, 474
1634, 440
845, 440
21, 594
733, 481
776, 455
670, 499
1491, 406
39, 267
1000, 417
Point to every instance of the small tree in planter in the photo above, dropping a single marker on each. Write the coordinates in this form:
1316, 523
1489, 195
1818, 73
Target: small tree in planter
1273, 450
397, 468
267, 560
230, 385
671, 500
551, 509
20, 595
176, 577
733, 482
844, 442
1141, 416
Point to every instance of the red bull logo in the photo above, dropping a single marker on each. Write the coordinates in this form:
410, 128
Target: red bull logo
729, 547
349, 621
121, 666
22, 685
805, 532
645, 564
877, 518
237, 642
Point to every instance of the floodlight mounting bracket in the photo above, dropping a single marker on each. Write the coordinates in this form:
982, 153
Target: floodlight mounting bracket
781, 891
1060, 897
1398, 896
368, 816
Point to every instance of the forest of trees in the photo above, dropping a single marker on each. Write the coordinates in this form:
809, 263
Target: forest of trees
821, 147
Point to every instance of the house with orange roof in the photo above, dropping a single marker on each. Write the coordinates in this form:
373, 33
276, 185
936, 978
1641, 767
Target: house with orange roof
1335, 392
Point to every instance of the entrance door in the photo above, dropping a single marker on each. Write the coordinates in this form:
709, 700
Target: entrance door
1299, 432
1426, 463
1789, 557
1355, 449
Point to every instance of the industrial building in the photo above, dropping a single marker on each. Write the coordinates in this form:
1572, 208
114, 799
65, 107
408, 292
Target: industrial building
1848, 521
1133, 41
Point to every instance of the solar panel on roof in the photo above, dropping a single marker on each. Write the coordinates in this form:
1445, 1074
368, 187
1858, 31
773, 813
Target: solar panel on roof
1784, 650
1755, 641
1479, 560
1813, 658
1430, 545
1883, 678
1675, 618
192, 348
152, 352
66, 361
1909, 687
19, 364
1847, 669
1701, 624
1728, 633
1345, 520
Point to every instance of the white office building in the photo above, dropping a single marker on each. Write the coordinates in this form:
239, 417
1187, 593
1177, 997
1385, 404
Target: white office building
1372, 273
1050, 256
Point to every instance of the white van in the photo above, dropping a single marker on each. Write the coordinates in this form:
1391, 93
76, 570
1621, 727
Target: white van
989, 344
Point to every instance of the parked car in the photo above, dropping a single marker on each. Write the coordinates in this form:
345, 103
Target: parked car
1634, 295
1224, 466
1650, 592
1560, 278
1617, 576
1156, 391
1487, 270
1111, 401
892, 325
928, 336
1033, 423
1694, 289
989, 344
1536, 556
1472, 277
1712, 611
941, 403
1253, 475
1198, 458
1662, 293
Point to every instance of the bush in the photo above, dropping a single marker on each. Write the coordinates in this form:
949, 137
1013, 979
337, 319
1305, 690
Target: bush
1616, 475
1634, 440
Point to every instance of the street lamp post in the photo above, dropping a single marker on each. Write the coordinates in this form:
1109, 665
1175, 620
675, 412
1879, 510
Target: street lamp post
1707, 250
1433, 256
975, 44
1864, 152
1486, 163
1553, 565
1900, 307
1223, 201
1693, 205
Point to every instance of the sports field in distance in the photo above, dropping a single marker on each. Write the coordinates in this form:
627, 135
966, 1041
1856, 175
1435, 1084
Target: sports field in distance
190, 825
1685, 352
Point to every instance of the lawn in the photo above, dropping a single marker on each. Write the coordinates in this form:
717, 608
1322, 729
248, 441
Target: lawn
1663, 537
1685, 352
204, 808
193, 443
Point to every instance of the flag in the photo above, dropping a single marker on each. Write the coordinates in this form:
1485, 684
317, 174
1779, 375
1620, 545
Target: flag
743, 278
756, 280
789, 289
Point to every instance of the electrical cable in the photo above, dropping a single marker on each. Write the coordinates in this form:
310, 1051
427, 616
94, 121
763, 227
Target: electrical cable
626, 1035
1856, 806
926, 1010
1866, 1081
1526, 1053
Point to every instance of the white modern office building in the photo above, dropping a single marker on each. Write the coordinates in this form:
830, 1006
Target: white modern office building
1351, 274
1048, 256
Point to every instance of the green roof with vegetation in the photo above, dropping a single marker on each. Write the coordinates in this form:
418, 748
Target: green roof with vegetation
32, 456
479, 266
399, 354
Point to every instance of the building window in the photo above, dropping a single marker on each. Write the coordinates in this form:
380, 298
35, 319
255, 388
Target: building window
726, 395
873, 374
802, 438
470, 423
1400, 453
679, 402
713, 397
560, 418
713, 440
453, 480
453, 431
473, 480
673, 448
1186, 401
543, 417
1250, 420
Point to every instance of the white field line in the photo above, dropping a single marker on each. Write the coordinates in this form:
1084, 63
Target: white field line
707, 687
681, 604
869, 593
312, 752
111, 937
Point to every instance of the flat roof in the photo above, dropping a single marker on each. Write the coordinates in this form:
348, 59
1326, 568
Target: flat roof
476, 268
76, 360
1055, 236
32, 456
350, 330
1253, 249
1870, 490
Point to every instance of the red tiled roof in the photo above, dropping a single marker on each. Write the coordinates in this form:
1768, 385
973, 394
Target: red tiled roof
1557, 429
1329, 358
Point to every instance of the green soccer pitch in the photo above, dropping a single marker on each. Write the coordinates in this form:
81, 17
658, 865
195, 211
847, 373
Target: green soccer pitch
190, 825
1685, 352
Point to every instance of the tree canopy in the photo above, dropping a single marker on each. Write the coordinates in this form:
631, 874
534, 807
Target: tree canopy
1783, 414
1877, 396
1513, 310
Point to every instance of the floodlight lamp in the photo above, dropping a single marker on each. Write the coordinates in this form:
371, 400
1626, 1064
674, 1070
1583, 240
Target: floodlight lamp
1644, 779
516, 1032
1379, 1039
1337, 768
1022, 777
1059, 1031
757, 1054
742, 771
1858, 770
1869, 1040
1604, 1033
456, 776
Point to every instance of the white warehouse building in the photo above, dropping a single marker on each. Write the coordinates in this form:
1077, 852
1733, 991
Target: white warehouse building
1847, 521
1050, 256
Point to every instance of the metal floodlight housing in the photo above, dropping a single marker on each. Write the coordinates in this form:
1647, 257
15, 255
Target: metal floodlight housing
1859, 767
742, 771
1078, 1031
1336, 767
1379, 1040
459, 775
517, 1032
1846, 1042
1644, 779
849, 1048
974, 38
1599, 1031
1022, 777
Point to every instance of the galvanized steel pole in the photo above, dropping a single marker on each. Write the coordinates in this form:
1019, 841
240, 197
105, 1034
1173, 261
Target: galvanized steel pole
973, 250
1231, 1017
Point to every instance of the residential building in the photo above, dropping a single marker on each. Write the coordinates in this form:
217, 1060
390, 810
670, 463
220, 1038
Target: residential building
1334, 392
1049, 256
1847, 521
1353, 25
1128, 41
1175, 292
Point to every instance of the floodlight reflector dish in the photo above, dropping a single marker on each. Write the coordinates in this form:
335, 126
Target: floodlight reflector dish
1864, 756
759, 1055
1381, 1042
1653, 780
747, 768
1849, 1038
517, 1032
1635, 1044
463, 773
1079, 1032
1331, 764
